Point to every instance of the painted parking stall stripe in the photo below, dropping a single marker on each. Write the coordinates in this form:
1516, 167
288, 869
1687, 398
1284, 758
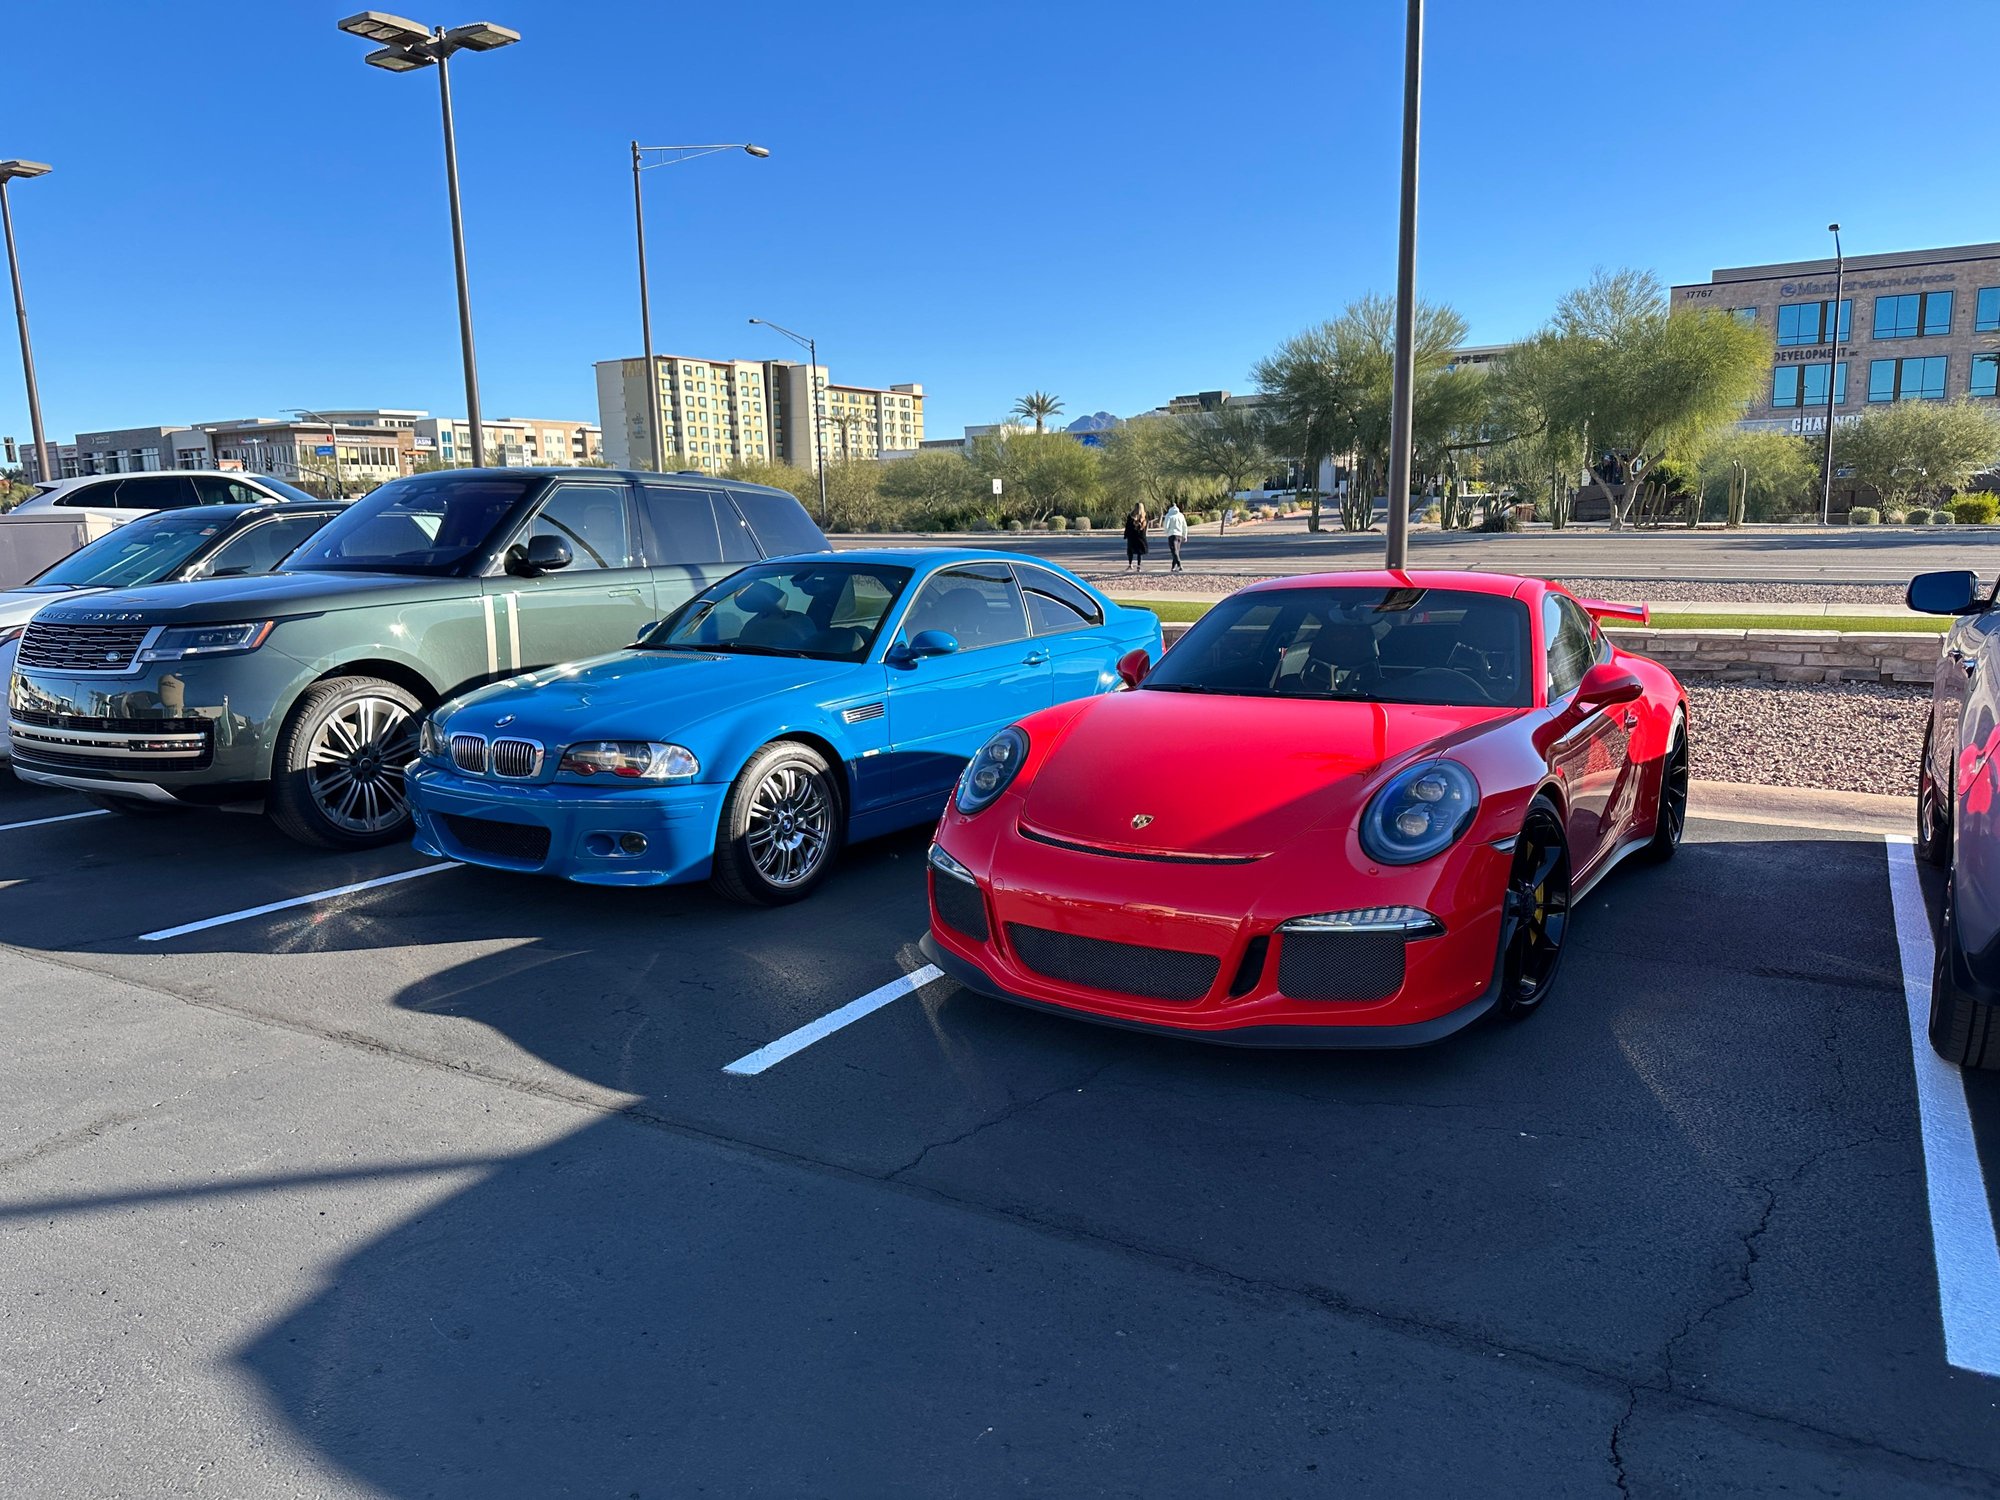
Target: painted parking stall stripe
270, 906
1968, 1256
772, 1053
96, 812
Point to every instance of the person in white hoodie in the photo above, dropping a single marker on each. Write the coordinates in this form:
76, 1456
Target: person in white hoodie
1174, 526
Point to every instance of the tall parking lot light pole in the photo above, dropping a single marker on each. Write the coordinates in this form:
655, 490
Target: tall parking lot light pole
684, 153
1832, 370
1402, 394
9, 170
411, 46
812, 389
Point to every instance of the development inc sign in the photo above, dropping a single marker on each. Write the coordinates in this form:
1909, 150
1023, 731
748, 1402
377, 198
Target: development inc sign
1801, 426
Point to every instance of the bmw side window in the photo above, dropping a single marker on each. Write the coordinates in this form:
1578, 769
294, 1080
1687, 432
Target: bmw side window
976, 607
1055, 604
590, 519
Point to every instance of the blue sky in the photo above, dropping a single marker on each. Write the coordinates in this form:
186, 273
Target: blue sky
1113, 202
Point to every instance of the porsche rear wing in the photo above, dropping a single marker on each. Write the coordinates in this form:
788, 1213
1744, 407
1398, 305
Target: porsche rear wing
1602, 610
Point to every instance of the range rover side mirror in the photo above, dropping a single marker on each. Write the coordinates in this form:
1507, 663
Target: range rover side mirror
1953, 593
543, 554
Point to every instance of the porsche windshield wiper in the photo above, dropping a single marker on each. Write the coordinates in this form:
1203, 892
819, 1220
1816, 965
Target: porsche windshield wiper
1182, 687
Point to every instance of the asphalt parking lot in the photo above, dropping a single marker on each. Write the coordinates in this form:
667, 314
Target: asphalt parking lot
469, 1185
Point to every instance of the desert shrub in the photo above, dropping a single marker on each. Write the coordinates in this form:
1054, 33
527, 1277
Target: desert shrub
1918, 515
1059, 523
1079, 523
1975, 509
1863, 515
1016, 526
980, 523
1940, 518
1501, 518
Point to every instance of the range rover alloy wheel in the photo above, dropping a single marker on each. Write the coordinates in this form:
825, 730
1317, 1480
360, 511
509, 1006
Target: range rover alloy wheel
337, 777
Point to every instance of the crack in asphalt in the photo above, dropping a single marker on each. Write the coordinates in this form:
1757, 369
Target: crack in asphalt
1019, 1107
1618, 1474
1433, 1331
76, 1135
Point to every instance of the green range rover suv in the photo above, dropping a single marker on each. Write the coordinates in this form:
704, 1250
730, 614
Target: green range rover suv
303, 688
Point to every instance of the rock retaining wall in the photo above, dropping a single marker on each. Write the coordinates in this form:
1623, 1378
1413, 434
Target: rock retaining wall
1776, 655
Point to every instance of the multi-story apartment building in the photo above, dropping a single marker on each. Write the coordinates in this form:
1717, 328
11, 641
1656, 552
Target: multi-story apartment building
1918, 325
511, 442
712, 413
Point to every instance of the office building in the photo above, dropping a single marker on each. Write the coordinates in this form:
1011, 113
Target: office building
349, 457
712, 413
1918, 325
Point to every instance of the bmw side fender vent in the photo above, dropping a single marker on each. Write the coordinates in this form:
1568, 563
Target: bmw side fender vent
863, 713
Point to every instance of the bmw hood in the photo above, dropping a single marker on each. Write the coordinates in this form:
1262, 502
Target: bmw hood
635, 695
1224, 776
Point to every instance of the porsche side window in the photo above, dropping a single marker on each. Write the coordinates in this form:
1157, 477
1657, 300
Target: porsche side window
1569, 648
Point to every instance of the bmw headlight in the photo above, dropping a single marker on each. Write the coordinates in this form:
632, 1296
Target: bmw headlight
1421, 812
629, 760
986, 776
181, 641
430, 740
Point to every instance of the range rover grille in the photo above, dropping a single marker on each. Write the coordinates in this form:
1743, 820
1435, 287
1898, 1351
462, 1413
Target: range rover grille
57, 647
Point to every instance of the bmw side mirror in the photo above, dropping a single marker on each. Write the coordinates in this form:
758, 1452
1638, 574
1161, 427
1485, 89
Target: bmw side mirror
1944, 594
1606, 685
933, 643
543, 554
1133, 667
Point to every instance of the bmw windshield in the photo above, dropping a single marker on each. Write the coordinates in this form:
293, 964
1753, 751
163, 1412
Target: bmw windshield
829, 611
1437, 646
142, 551
427, 523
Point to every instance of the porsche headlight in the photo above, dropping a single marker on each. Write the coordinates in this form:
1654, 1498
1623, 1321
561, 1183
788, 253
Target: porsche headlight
1420, 813
987, 774
181, 641
629, 760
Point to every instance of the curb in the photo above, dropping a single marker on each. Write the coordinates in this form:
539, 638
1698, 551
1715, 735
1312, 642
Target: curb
1801, 807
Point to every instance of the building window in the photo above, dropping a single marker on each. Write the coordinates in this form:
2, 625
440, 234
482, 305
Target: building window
1985, 375
1913, 315
1806, 322
1919, 379
1986, 310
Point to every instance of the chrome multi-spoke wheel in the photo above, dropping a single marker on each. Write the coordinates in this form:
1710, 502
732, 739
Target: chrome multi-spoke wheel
338, 776
355, 765
1535, 917
780, 827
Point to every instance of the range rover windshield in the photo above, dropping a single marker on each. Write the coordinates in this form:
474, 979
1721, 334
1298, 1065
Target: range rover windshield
829, 611
1368, 645
427, 523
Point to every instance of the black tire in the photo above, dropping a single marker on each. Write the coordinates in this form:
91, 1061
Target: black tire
1672, 819
782, 827
1535, 916
135, 807
1933, 811
337, 775
1963, 1031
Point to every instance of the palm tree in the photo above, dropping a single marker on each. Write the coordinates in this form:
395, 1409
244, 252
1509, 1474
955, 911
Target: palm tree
1037, 407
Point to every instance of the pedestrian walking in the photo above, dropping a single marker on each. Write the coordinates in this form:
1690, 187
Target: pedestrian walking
1173, 525
1135, 540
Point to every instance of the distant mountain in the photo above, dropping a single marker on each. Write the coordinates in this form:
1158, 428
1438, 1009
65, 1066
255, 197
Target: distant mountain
1097, 421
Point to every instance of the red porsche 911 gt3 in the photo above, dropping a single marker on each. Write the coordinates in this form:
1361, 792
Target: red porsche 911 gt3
1351, 810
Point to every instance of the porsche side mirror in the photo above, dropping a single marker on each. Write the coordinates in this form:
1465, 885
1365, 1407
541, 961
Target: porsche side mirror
1944, 594
1133, 667
543, 554
1606, 685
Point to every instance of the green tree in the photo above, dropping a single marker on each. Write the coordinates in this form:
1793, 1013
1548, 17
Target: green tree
1141, 461
1642, 378
936, 489
1040, 474
1228, 447
1916, 449
1757, 476
1037, 407
1541, 450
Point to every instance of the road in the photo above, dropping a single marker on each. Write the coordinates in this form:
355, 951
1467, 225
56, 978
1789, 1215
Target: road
1757, 554
440, 1188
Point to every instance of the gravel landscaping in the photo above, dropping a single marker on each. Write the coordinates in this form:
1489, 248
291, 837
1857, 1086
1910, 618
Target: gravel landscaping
1846, 737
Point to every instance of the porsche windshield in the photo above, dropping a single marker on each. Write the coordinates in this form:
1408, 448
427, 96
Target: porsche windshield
427, 523
1368, 645
827, 610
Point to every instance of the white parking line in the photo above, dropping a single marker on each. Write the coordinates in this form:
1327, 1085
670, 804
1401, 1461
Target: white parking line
773, 1053
1968, 1256
99, 812
258, 911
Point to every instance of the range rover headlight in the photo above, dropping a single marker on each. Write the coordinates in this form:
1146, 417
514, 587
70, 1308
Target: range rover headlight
1421, 812
988, 773
629, 760
179, 641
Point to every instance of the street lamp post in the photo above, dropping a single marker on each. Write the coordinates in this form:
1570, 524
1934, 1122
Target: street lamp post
333, 441
1402, 393
9, 170
812, 390
410, 46
1832, 370
686, 153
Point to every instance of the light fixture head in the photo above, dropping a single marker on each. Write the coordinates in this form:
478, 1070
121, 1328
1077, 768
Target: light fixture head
380, 26
16, 168
1835, 228
481, 36
397, 60
758, 150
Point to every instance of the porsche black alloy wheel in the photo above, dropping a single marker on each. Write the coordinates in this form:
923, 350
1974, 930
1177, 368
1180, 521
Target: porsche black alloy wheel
1535, 918
1672, 820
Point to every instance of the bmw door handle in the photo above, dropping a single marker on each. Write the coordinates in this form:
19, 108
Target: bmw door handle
1035, 659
